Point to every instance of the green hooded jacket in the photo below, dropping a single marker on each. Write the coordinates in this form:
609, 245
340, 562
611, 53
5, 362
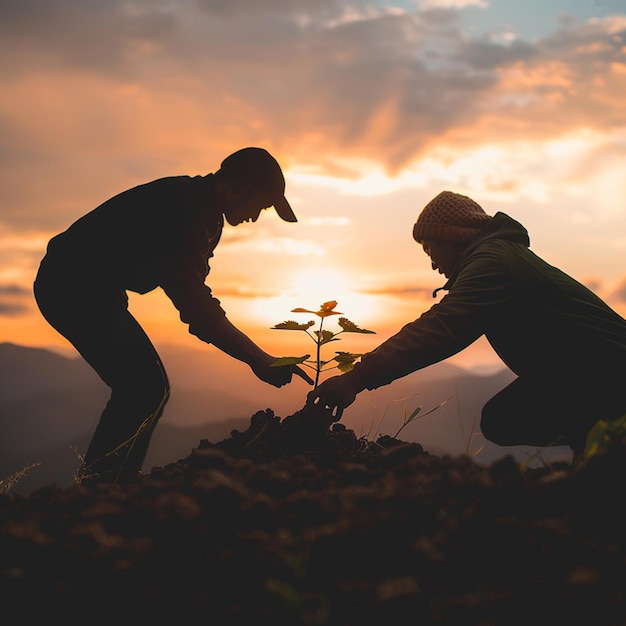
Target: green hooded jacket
539, 320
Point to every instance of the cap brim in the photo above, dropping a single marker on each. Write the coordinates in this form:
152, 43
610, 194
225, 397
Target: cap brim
284, 210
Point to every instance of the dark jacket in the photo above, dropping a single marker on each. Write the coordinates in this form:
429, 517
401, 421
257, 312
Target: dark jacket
539, 320
161, 234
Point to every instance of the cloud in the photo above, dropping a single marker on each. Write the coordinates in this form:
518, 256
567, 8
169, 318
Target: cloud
275, 245
13, 290
99, 96
83, 36
452, 4
328, 221
620, 292
10, 309
594, 284
399, 291
244, 291
13, 300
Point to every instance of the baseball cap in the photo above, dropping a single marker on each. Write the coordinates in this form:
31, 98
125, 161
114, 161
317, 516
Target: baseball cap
258, 166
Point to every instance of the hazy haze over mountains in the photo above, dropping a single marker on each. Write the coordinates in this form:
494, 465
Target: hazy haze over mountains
50, 405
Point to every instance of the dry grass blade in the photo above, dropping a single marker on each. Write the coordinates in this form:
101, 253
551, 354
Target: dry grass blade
8, 483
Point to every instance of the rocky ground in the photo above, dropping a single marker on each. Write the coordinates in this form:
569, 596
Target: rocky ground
284, 525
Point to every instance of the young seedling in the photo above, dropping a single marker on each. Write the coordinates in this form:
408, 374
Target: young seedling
408, 417
414, 415
343, 361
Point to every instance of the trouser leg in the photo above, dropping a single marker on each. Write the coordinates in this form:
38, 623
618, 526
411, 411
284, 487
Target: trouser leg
116, 347
548, 413
127, 361
517, 416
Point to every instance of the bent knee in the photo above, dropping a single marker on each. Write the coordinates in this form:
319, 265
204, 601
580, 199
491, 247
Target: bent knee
148, 393
494, 426
156, 394
488, 427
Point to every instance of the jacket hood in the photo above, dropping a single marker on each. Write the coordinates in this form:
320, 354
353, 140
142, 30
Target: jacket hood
500, 226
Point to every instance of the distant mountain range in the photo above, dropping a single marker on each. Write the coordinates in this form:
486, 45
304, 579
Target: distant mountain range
50, 405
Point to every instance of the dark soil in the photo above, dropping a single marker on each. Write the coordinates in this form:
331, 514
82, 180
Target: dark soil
287, 524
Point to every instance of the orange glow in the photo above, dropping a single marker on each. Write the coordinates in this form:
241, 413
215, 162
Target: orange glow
555, 74
310, 289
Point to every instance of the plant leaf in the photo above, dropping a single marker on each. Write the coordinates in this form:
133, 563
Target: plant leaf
325, 310
351, 327
345, 360
414, 415
410, 418
329, 306
289, 360
345, 367
325, 336
346, 357
291, 325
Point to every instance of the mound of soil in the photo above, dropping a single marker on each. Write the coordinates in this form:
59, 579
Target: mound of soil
291, 524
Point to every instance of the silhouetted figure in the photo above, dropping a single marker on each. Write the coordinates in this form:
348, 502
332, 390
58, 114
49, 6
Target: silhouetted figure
161, 234
566, 346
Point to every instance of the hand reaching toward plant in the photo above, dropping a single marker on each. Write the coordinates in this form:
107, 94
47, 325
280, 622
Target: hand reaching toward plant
279, 376
232, 341
335, 394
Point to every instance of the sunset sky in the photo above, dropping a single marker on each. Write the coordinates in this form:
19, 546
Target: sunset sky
371, 107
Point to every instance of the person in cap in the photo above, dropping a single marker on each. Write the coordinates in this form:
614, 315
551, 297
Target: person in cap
566, 346
159, 234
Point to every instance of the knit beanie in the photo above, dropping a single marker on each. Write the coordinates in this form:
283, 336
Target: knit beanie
451, 217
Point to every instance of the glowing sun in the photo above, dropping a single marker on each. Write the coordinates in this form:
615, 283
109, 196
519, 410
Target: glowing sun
310, 288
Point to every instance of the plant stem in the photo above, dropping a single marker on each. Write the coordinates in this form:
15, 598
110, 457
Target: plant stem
318, 353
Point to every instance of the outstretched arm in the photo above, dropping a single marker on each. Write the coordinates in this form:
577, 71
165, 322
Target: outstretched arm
229, 339
207, 321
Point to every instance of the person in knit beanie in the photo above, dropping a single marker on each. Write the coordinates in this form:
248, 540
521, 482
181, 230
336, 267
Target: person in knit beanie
450, 216
565, 345
446, 225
